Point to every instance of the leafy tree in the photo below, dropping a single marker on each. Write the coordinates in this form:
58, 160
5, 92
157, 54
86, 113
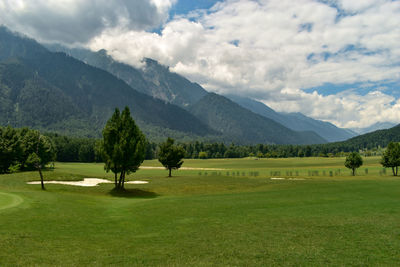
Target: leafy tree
171, 155
41, 151
10, 148
203, 155
123, 146
391, 157
353, 161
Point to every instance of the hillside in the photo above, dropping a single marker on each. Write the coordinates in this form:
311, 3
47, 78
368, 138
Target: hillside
239, 123
56, 92
375, 139
295, 121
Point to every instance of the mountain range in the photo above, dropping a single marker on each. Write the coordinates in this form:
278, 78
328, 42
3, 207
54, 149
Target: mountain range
74, 92
296, 121
157, 81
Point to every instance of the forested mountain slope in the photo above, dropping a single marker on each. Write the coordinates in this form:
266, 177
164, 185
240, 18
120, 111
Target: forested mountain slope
239, 123
295, 121
375, 139
152, 78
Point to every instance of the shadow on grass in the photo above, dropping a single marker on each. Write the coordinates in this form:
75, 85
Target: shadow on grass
132, 193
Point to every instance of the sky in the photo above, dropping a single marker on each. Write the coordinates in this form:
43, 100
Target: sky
333, 60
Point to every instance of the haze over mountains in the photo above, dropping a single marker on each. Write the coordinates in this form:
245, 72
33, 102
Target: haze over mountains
56, 92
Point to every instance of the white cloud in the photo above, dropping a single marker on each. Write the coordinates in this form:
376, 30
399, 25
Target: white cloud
261, 48
78, 21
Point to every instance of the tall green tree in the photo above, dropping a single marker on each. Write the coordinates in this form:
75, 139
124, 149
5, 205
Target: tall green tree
353, 161
171, 155
123, 146
10, 148
391, 157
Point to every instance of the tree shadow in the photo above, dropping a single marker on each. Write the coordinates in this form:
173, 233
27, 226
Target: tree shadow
132, 193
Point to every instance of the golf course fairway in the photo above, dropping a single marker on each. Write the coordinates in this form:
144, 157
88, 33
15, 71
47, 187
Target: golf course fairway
9, 200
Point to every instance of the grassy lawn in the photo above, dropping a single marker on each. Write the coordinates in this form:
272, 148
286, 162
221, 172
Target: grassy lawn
201, 217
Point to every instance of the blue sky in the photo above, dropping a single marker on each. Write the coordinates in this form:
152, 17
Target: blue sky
185, 6
333, 60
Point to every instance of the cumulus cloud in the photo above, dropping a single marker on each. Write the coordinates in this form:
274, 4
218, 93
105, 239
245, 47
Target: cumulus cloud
78, 21
272, 49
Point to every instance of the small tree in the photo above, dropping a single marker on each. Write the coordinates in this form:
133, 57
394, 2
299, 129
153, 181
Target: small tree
391, 157
203, 155
40, 151
170, 155
123, 146
353, 161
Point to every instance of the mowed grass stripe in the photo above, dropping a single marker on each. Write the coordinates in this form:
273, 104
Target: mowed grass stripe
8, 200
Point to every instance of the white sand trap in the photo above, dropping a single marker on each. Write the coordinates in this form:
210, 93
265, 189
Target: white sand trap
86, 182
277, 178
137, 182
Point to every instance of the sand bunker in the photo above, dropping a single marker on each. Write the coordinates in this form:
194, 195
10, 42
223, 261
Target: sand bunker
86, 182
183, 168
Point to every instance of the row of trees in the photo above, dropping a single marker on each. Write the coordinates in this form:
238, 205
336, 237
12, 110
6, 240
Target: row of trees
73, 149
124, 147
78, 149
390, 159
24, 149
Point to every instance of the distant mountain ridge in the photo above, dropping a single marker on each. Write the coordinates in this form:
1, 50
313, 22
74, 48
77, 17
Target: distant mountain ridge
156, 80
374, 127
233, 120
295, 121
378, 138
153, 79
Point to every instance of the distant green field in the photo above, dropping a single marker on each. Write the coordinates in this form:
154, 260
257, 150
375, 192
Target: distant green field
214, 212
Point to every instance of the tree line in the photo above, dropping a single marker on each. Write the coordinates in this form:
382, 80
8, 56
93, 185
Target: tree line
79, 149
75, 149
25, 149
124, 147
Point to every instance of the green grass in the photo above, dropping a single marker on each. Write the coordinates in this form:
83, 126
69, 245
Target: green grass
203, 220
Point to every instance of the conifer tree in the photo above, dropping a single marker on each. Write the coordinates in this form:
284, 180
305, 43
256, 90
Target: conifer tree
123, 146
171, 155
